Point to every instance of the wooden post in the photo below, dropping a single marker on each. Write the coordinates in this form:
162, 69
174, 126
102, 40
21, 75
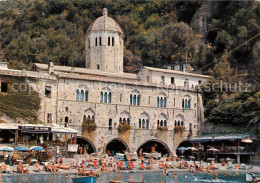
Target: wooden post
16, 137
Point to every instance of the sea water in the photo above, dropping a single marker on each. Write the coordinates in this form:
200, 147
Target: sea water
151, 177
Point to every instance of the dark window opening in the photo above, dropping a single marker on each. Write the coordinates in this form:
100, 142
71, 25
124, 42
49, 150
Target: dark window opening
4, 87
98, 66
113, 41
96, 41
172, 80
48, 91
108, 41
110, 124
100, 41
49, 118
66, 121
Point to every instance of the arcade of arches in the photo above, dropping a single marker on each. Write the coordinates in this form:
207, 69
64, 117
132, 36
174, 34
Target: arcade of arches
86, 144
116, 146
156, 145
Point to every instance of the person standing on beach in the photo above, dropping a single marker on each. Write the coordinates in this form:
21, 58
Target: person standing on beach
140, 152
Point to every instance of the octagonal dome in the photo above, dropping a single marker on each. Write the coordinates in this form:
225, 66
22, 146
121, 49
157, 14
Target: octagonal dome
105, 23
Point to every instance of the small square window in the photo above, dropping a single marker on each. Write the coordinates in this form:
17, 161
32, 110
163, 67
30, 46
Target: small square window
172, 80
49, 118
162, 78
48, 91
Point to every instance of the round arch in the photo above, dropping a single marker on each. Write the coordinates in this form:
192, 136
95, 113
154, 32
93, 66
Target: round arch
86, 143
116, 145
184, 143
159, 145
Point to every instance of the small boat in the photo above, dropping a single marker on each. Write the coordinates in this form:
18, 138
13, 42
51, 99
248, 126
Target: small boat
251, 176
83, 179
114, 181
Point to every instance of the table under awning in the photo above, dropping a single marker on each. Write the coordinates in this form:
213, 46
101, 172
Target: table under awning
30, 128
64, 130
220, 138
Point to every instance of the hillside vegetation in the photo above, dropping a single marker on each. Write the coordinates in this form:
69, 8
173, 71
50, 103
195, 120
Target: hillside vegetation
156, 33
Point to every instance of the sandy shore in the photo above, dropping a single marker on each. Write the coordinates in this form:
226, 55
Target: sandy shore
156, 168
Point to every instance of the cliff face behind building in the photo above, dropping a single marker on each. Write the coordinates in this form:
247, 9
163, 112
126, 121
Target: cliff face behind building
203, 16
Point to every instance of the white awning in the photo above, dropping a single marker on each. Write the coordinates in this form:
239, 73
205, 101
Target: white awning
8, 126
65, 130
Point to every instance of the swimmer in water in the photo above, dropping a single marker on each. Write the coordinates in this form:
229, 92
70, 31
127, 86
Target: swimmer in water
234, 174
174, 176
211, 179
217, 178
185, 176
225, 174
67, 175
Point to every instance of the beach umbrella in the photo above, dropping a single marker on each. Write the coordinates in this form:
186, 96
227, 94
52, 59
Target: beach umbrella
21, 148
247, 141
182, 148
6, 148
213, 149
37, 148
192, 148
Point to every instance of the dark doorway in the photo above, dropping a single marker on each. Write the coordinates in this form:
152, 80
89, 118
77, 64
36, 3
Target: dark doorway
86, 144
159, 147
116, 146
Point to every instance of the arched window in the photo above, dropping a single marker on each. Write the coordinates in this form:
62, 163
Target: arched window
120, 120
86, 95
113, 41
175, 123
161, 100
77, 95
180, 120
144, 121
97, 66
131, 99
66, 109
66, 119
163, 120
105, 95
101, 97
110, 124
100, 41
135, 97
89, 114
82, 95
190, 126
108, 41
186, 102
96, 41
125, 117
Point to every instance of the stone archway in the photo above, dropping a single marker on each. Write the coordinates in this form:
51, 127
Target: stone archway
159, 146
116, 145
86, 143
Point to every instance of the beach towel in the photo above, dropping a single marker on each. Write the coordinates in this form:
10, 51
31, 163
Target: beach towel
161, 165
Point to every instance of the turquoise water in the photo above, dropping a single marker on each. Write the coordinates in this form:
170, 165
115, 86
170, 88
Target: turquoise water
125, 177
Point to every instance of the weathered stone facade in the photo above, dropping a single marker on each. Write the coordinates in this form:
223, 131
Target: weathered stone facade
148, 100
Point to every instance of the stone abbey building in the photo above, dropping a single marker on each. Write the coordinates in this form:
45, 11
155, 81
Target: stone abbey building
162, 106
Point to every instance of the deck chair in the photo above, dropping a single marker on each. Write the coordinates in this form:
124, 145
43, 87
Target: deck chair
132, 164
115, 157
230, 165
243, 166
142, 167
161, 166
121, 158
95, 164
